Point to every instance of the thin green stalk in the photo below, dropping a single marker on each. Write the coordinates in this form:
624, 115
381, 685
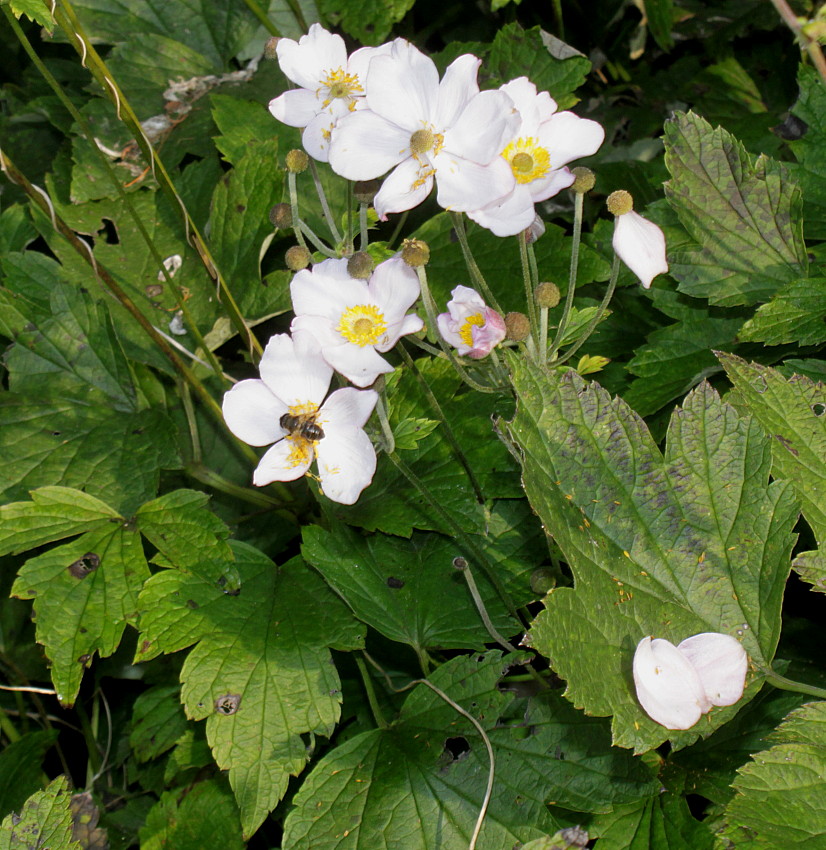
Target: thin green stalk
363, 234
785, 684
317, 243
113, 178
65, 17
212, 479
295, 8
609, 292
475, 272
371, 694
294, 211
350, 235
194, 437
569, 297
259, 13
384, 421
530, 300
89, 735
325, 207
474, 552
464, 568
397, 230
446, 429
8, 728
810, 45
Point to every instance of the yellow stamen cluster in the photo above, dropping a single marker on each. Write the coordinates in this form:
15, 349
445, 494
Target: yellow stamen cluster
466, 331
341, 85
528, 159
362, 325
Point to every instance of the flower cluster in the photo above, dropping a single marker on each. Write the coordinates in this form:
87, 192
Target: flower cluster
676, 685
491, 154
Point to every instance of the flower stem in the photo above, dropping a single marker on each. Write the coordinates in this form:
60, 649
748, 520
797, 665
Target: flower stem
569, 297
363, 235
294, 211
811, 45
462, 565
398, 229
325, 207
384, 420
371, 694
475, 273
446, 429
612, 284
785, 684
529, 297
212, 479
259, 13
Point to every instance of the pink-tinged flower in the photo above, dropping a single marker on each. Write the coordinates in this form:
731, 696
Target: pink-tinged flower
676, 685
331, 85
286, 408
472, 327
541, 146
355, 320
425, 129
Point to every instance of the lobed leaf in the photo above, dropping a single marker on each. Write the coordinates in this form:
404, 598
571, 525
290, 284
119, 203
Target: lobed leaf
21, 768
808, 148
44, 821
797, 313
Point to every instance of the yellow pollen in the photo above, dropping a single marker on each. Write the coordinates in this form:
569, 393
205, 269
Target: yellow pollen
301, 451
528, 160
303, 408
466, 331
362, 325
342, 85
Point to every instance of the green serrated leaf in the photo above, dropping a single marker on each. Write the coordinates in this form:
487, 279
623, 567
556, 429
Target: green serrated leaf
810, 169
778, 800
84, 594
16, 228
52, 514
192, 819
158, 722
695, 540
797, 313
551, 65
44, 821
744, 213
21, 768
34, 10
409, 432
660, 17
261, 672
367, 21
242, 123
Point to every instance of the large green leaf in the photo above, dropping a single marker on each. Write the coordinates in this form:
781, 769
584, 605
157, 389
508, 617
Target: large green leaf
367, 21
242, 123
404, 785
791, 413
695, 540
810, 170
44, 821
744, 214
158, 721
797, 313
260, 673
779, 798
21, 768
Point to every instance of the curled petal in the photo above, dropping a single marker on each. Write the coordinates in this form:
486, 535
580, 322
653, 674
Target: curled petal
640, 244
668, 687
456, 89
721, 663
252, 412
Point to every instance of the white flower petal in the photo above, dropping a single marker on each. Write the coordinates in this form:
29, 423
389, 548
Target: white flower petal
668, 687
326, 291
483, 129
567, 136
359, 364
296, 107
404, 188
403, 86
365, 145
721, 663
410, 324
252, 412
307, 61
317, 136
287, 460
294, 369
463, 185
359, 61
551, 184
523, 94
347, 408
346, 464
457, 87
510, 216
394, 286
640, 244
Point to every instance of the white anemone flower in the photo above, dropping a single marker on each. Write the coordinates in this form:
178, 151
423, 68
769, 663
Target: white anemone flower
332, 85
676, 685
426, 130
538, 152
355, 320
469, 325
286, 408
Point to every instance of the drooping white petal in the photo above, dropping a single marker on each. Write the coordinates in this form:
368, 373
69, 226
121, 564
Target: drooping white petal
294, 369
567, 136
296, 107
307, 61
404, 188
359, 364
457, 87
640, 244
668, 687
346, 464
365, 145
721, 663
403, 86
347, 408
510, 216
287, 460
485, 126
252, 412
463, 185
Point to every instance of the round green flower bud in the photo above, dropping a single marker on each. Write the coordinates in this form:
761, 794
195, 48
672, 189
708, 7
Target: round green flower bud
547, 295
360, 265
584, 179
269, 47
517, 327
620, 202
297, 258
542, 581
281, 216
415, 252
297, 161
365, 190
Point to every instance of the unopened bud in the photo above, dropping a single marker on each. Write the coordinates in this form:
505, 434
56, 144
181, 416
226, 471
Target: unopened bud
460, 563
365, 190
547, 295
415, 252
269, 47
297, 258
360, 265
584, 179
536, 229
620, 202
297, 161
517, 327
281, 216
